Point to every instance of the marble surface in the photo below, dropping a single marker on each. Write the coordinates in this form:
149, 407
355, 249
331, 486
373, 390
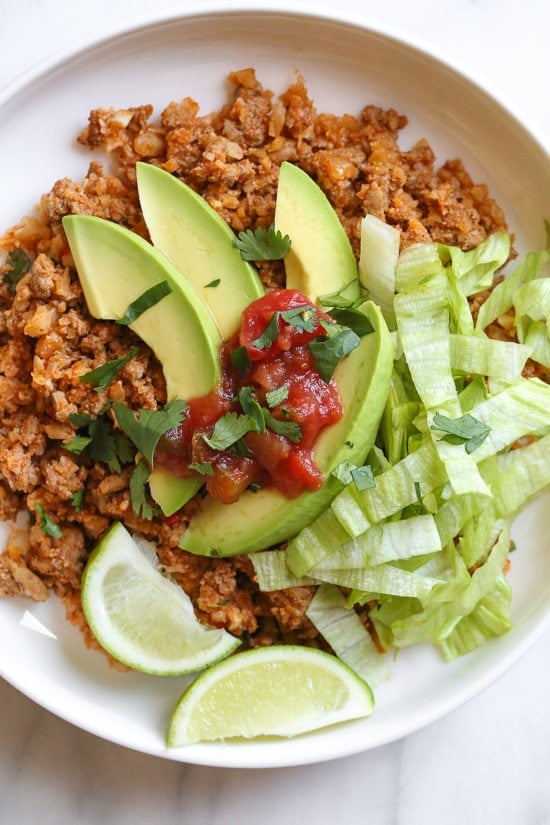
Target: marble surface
487, 762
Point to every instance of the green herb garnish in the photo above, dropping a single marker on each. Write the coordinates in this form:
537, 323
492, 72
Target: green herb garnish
302, 318
228, 430
465, 430
262, 244
204, 468
102, 376
145, 301
47, 524
277, 396
252, 408
145, 427
240, 360
77, 499
215, 282
329, 350
352, 318
99, 442
19, 263
138, 494
269, 335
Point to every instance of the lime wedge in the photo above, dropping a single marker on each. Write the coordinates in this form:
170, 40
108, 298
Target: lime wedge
282, 690
141, 617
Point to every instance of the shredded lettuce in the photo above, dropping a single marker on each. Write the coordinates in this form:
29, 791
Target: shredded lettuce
463, 447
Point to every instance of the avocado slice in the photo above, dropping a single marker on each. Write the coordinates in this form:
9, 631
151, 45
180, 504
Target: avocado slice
259, 520
320, 260
115, 266
199, 243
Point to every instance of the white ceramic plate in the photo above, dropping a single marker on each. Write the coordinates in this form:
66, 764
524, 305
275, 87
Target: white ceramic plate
346, 65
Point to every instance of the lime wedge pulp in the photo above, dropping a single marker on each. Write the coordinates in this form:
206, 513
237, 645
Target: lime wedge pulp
283, 690
141, 617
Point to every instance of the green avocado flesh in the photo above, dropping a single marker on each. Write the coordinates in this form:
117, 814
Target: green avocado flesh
258, 520
199, 243
116, 266
320, 260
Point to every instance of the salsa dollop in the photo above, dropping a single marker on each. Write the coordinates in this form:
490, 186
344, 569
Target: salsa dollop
269, 376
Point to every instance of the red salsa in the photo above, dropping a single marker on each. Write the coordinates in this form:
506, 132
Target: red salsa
269, 374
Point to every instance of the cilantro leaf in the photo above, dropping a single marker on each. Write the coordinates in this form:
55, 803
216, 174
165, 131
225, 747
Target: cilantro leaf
252, 408
102, 376
303, 318
262, 244
352, 318
329, 350
204, 468
240, 360
215, 282
77, 499
78, 444
465, 430
100, 442
48, 526
277, 396
339, 299
228, 430
145, 301
138, 495
288, 429
145, 427
19, 263
269, 335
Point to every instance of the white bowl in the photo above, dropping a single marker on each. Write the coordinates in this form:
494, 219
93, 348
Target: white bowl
346, 64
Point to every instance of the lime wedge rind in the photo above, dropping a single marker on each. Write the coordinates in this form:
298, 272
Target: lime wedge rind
142, 618
277, 691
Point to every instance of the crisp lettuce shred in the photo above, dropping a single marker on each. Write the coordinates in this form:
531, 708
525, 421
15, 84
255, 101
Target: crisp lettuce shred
426, 549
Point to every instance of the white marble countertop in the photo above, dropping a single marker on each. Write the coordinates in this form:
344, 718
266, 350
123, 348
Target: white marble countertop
489, 761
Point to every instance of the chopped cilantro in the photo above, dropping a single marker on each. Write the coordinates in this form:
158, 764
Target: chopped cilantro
240, 360
19, 263
277, 396
145, 427
465, 430
303, 318
145, 301
329, 350
47, 524
78, 444
228, 430
269, 335
288, 429
138, 495
215, 282
352, 318
254, 487
99, 442
204, 468
102, 376
339, 299
252, 408
77, 499
262, 244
